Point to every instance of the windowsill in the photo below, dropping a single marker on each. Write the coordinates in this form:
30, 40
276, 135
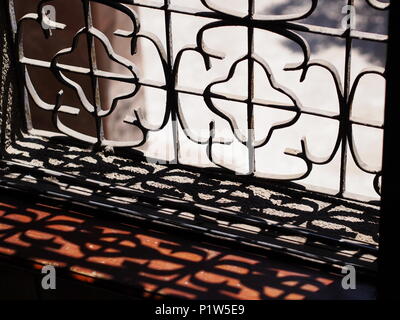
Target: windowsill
136, 259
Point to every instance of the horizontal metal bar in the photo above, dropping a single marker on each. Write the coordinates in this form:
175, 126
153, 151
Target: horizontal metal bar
192, 91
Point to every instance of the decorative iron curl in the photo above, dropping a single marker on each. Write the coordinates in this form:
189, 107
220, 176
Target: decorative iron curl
376, 4
208, 54
229, 13
133, 79
352, 144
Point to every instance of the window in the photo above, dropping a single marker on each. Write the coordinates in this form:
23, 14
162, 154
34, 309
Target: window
261, 124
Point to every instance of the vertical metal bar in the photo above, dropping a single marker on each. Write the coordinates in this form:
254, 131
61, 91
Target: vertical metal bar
250, 88
170, 80
93, 67
345, 114
388, 275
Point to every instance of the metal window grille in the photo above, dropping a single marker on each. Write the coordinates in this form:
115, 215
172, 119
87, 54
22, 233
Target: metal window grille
217, 15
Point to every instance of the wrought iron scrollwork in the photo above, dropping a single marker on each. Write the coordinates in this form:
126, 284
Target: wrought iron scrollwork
286, 26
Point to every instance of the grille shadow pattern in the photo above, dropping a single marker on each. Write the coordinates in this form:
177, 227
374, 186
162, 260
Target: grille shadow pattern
134, 260
323, 229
